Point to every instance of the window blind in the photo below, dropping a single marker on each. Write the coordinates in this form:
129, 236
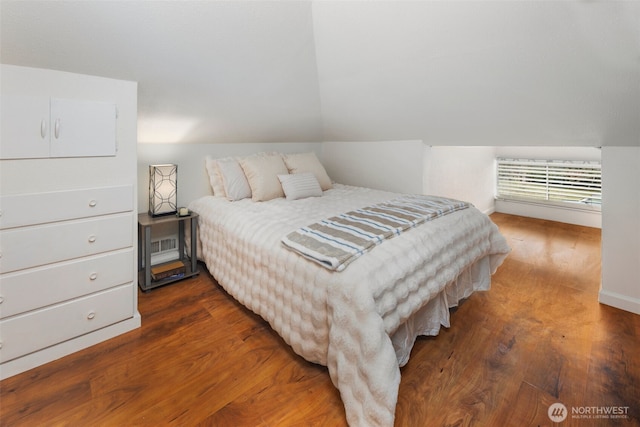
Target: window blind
560, 182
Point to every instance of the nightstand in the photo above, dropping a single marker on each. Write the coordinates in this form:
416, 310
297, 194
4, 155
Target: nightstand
145, 222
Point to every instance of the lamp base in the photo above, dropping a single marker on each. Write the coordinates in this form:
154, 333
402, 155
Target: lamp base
156, 215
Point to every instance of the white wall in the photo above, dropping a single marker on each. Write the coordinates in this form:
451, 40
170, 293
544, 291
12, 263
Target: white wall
546, 153
385, 165
621, 228
193, 181
464, 173
402, 166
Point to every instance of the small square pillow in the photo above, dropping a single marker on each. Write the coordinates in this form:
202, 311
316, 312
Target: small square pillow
300, 185
215, 179
262, 173
308, 162
234, 181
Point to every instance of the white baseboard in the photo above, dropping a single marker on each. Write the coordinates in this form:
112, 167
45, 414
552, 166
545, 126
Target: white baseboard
623, 302
568, 216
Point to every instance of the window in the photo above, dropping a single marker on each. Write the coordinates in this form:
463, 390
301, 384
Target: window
558, 182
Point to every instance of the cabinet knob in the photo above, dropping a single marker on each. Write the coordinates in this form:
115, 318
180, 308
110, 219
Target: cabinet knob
57, 129
93, 276
43, 128
92, 238
91, 315
93, 203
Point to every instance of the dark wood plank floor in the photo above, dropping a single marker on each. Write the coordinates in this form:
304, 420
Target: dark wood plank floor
537, 337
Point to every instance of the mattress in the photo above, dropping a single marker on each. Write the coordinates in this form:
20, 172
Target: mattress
361, 322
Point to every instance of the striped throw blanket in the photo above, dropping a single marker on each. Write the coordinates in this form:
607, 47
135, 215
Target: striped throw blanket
335, 242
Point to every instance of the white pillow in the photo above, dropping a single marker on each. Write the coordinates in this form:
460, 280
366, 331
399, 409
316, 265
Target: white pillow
300, 185
215, 180
308, 162
262, 173
234, 181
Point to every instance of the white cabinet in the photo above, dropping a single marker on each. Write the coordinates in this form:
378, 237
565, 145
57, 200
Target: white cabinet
41, 127
68, 217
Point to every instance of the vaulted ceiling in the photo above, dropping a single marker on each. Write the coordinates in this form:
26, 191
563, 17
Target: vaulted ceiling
447, 73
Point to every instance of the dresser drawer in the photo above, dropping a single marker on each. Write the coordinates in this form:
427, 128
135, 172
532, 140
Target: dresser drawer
40, 208
33, 331
27, 247
39, 287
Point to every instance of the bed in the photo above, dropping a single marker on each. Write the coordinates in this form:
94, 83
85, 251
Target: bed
360, 322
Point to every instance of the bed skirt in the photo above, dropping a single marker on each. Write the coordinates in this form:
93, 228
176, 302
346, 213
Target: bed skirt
435, 314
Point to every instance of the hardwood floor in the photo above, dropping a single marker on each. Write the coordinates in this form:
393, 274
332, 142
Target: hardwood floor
539, 336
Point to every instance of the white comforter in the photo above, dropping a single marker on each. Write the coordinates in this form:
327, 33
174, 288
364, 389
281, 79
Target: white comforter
360, 323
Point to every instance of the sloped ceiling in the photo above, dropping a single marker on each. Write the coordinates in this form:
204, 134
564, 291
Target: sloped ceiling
447, 73
206, 71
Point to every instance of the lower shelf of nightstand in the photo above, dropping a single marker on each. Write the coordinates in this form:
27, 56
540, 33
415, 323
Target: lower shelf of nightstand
189, 272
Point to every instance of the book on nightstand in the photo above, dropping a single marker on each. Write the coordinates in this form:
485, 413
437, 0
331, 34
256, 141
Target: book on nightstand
175, 268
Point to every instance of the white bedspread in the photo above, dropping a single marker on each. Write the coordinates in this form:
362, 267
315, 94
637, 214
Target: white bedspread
360, 323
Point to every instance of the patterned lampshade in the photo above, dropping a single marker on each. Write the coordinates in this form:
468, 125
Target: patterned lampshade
163, 189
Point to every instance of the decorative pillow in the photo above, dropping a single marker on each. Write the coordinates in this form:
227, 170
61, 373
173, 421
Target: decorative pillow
262, 173
215, 179
300, 185
234, 181
308, 162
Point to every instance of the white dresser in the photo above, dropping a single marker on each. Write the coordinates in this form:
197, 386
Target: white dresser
68, 214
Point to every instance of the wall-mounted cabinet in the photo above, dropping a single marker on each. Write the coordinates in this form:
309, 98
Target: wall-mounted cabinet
41, 127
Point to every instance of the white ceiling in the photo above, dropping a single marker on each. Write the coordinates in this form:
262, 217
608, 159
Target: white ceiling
447, 73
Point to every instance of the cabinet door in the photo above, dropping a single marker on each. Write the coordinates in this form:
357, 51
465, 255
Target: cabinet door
82, 128
24, 127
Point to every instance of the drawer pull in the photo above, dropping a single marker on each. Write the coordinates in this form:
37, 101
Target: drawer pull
93, 276
93, 203
0, 344
1, 300
43, 128
91, 315
57, 129
92, 238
